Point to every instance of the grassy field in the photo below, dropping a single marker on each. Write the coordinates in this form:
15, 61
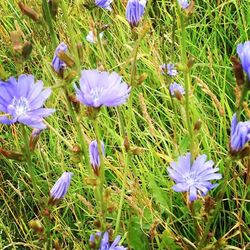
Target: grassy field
140, 204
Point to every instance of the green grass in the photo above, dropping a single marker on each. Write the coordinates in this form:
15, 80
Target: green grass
153, 216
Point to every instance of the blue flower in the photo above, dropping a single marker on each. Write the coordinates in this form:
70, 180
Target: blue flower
240, 134
243, 50
57, 64
183, 3
102, 89
175, 87
169, 68
105, 244
61, 186
104, 4
134, 11
21, 100
195, 177
94, 155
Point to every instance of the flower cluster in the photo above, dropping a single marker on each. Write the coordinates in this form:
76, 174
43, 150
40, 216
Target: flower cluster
21, 100
195, 177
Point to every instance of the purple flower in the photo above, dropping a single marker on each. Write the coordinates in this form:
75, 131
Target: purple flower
61, 186
21, 100
91, 37
102, 89
193, 177
134, 11
94, 155
105, 244
240, 134
104, 4
169, 68
175, 87
183, 3
57, 64
243, 50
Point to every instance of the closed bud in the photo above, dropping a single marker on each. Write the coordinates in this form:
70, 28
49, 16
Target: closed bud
197, 125
27, 49
190, 62
238, 71
53, 7
26, 10
16, 38
13, 155
65, 58
126, 143
37, 226
142, 78
178, 95
34, 138
75, 103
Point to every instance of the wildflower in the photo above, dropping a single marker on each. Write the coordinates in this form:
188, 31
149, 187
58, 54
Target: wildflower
21, 100
91, 37
193, 177
243, 50
183, 3
104, 4
169, 68
61, 186
175, 87
94, 155
240, 134
57, 64
105, 244
102, 89
134, 11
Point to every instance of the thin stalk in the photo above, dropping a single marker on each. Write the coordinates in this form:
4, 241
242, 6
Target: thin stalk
28, 154
244, 92
186, 75
101, 173
49, 22
80, 134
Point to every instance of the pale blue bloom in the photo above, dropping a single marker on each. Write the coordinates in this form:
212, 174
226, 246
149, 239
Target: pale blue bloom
240, 134
169, 68
102, 89
243, 50
21, 100
134, 11
57, 64
105, 244
94, 155
174, 87
195, 177
61, 186
183, 3
104, 4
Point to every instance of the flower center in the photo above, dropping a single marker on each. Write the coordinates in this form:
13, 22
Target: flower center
95, 93
190, 179
20, 106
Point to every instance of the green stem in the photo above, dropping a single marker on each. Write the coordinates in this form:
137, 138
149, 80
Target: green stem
71, 34
101, 174
80, 134
212, 218
50, 22
186, 74
244, 92
29, 162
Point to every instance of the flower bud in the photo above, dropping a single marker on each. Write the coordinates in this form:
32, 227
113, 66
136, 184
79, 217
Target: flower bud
197, 125
26, 49
13, 155
126, 143
26, 10
238, 71
65, 58
34, 138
